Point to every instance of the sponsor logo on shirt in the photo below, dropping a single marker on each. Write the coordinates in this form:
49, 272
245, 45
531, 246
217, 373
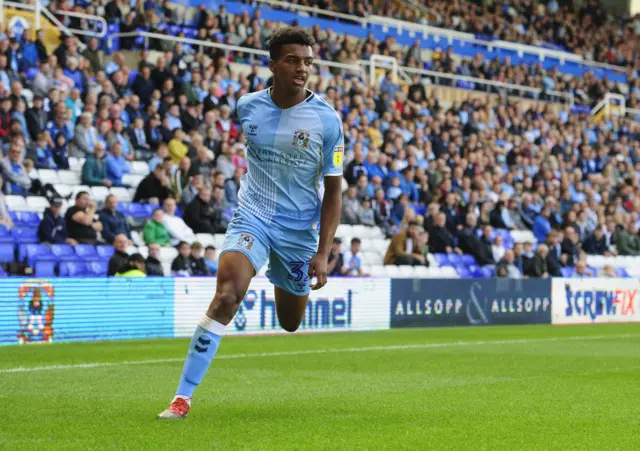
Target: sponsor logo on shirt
253, 129
301, 139
338, 152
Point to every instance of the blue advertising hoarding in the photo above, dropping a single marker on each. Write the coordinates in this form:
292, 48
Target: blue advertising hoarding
52, 310
463, 302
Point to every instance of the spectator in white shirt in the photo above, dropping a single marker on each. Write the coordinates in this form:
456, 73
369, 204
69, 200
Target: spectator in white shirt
353, 260
175, 225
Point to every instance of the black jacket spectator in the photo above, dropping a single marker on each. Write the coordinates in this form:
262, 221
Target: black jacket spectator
594, 245
154, 267
36, 119
181, 264
354, 170
151, 187
197, 267
471, 244
199, 216
143, 88
439, 240
52, 229
113, 223
117, 261
79, 232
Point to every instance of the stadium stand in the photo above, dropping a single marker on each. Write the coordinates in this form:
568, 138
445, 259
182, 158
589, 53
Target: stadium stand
503, 155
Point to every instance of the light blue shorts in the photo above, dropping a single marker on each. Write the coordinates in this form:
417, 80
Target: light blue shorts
288, 251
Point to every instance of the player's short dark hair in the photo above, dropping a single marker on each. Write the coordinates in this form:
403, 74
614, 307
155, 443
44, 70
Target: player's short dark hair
285, 36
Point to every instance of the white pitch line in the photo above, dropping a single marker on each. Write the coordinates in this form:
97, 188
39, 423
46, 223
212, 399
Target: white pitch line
322, 351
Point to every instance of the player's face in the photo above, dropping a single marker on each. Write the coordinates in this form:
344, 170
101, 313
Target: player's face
292, 70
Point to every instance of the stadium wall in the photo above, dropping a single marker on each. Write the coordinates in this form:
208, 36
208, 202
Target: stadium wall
64, 310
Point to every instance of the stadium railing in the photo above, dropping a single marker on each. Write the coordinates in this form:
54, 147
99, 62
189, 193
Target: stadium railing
390, 25
368, 67
39, 10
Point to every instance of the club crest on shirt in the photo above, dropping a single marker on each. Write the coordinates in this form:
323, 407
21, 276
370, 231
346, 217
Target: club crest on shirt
338, 152
245, 241
301, 139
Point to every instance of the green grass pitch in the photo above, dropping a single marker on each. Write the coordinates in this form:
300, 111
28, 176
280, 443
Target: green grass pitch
529, 387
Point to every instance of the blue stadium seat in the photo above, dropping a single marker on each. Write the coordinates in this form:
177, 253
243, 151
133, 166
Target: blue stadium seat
97, 268
138, 210
2, 273
7, 252
455, 259
105, 252
464, 272
5, 235
73, 269
86, 251
45, 268
468, 260
566, 272
484, 272
442, 259
63, 252
35, 252
24, 235
25, 218
620, 272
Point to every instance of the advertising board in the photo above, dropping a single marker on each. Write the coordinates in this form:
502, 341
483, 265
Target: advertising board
53, 310
592, 301
343, 304
463, 302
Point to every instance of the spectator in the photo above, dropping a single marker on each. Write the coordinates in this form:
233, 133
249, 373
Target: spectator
356, 167
60, 151
16, 179
93, 170
353, 260
84, 138
175, 225
469, 242
197, 265
336, 259
351, 207
118, 135
542, 225
367, 215
155, 231
160, 157
232, 187
80, 220
120, 257
135, 267
154, 188
181, 265
403, 249
221, 211
537, 268
113, 222
36, 117
497, 248
570, 247
581, 271
180, 177
41, 153
441, 241
116, 166
507, 266
177, 148
191, 190
627, 241
211, 260
607, 272
52, 228
596, 243
382, 211
554, 257
224, 163
199, 214
153, 266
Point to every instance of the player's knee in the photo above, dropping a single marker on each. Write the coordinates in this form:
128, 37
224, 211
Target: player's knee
228, 300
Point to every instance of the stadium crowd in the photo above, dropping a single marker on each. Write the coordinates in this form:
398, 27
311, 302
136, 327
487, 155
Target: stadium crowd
435, 179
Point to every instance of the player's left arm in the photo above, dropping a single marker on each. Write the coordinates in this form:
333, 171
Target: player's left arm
332, 153
329, 220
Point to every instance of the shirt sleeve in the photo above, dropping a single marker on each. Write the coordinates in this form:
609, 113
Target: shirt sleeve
333, 146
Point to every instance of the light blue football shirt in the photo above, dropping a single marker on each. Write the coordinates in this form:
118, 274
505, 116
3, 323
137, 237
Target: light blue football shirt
288, 154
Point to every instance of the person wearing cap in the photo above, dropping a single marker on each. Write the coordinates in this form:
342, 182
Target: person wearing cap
53, 228
135, 267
